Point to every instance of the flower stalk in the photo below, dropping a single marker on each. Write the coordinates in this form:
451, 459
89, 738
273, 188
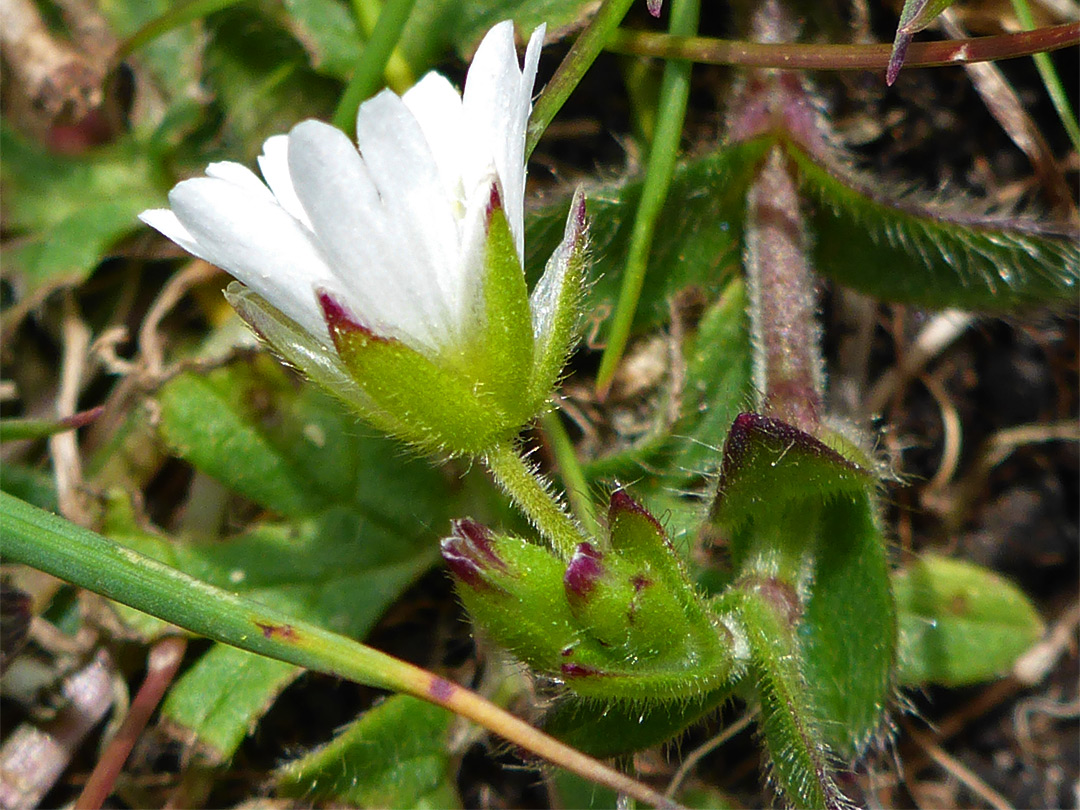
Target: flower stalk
532, 494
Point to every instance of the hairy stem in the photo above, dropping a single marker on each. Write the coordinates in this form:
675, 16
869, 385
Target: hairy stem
788, 369
532, 495
573, 477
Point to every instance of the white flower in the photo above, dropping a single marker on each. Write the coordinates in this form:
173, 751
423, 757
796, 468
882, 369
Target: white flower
395, 232
391, 274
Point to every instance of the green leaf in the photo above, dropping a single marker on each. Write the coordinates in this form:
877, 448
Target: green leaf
31, 485
210, 422
799, 518
64, 213
395, 755
793, 733
340, 571
21, 429
960, 623
718, 383
220, 700
362, 524
261, 78
768, 463
173, 59
894, 248
437, 26
848, 631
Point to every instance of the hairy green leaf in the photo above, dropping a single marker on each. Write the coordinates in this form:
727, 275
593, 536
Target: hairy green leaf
395, 755
898, 248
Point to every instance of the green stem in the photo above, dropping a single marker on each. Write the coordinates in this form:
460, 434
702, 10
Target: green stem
1058, 97
674, 92
399, 76
49, 543
568, 75
804, 56
577, 487
372, 62
532, 494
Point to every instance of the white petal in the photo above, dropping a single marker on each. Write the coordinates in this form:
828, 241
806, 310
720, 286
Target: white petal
419, 216
497, 102
436, 105
350, 223
259, 243
165, 221
474, 233
274, 165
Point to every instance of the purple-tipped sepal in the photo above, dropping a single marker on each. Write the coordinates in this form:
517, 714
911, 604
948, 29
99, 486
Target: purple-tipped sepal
582, 574
470, 555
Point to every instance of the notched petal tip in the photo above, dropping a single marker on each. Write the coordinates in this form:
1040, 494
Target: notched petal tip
654, 7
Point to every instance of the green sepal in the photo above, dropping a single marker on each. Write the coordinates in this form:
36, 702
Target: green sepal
606, 627
556, 302
638, 536
627, 611
513, 590
960, 623
503, 355
298, 349
415, 398
800, 523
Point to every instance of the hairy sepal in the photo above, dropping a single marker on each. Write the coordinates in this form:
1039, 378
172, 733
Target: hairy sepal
607, 625
557, 301
502, 358
431, 405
